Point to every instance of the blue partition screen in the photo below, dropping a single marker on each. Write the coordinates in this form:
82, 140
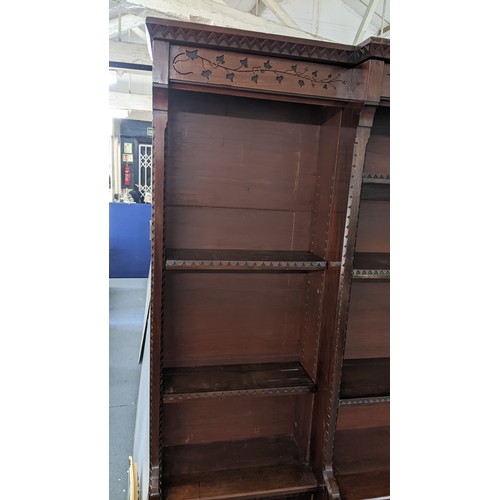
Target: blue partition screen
129, 244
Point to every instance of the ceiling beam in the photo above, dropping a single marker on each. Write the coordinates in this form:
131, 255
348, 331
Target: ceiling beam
212, 13
370, 10
124, 100
127, 22
140, 33
280, 13
129, 53
258, 8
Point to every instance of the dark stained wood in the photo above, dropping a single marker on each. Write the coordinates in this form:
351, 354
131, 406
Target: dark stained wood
228, 69
266, 174
239, 153
360, 450
374, 227
363, 417
368, 327
243, 260
213, 228
365, 378
371, 260
341, 240
365, 485
233, 318
198, 35
377, 159
210, 457
248, 483
386, 82
228, 419
225, 380
375, 192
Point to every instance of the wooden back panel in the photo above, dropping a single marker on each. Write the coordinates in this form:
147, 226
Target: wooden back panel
245, 417
374, 227
369, 321
362, 439
229, 318
377, 159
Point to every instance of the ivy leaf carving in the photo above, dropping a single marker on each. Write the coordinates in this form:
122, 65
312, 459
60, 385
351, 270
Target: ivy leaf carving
230, 76
206, 74
244, 62
192, 54
220, 59
267, 65
314, 73
301, 83
279, 78
325, 86
294, 67
255, 78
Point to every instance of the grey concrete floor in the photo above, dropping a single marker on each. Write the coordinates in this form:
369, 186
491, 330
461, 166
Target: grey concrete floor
127, 297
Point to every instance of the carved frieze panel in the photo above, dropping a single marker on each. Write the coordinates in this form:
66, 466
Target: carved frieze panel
265, 74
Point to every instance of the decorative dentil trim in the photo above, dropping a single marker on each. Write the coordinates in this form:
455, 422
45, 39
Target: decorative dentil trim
376, 178
245, 264
272, 391
371, 273
364, 401
220, 38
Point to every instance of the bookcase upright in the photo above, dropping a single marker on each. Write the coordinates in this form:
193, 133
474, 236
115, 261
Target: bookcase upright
268, 372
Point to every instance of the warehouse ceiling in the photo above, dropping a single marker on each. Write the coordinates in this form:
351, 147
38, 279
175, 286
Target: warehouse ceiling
341, 21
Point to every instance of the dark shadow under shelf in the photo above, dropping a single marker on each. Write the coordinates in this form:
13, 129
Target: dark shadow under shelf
365, 378
252, 468
372, 266
376, 187
243, 260
376, 191
260, 379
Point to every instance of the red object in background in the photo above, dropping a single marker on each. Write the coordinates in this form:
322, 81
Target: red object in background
127, 175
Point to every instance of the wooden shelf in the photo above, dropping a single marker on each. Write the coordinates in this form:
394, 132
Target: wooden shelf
376, 179
366, 485
252, 468
262, 379
243, 260
365, 378
371, 266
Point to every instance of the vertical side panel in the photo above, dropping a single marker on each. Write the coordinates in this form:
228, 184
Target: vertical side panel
340, 167
339, 327
160, 119
160, 75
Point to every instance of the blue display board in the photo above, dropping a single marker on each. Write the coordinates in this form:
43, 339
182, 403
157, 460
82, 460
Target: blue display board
129, 244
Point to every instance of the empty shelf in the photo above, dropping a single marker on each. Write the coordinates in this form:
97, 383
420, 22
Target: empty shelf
243, 260
368, 485
261, 467
235, 380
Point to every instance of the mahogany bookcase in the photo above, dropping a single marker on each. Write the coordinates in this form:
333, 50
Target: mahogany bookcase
268, 352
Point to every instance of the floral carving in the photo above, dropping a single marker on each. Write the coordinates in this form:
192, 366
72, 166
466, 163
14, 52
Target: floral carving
208, 67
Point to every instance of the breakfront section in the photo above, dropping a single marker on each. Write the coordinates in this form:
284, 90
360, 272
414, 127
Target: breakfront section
259, 147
